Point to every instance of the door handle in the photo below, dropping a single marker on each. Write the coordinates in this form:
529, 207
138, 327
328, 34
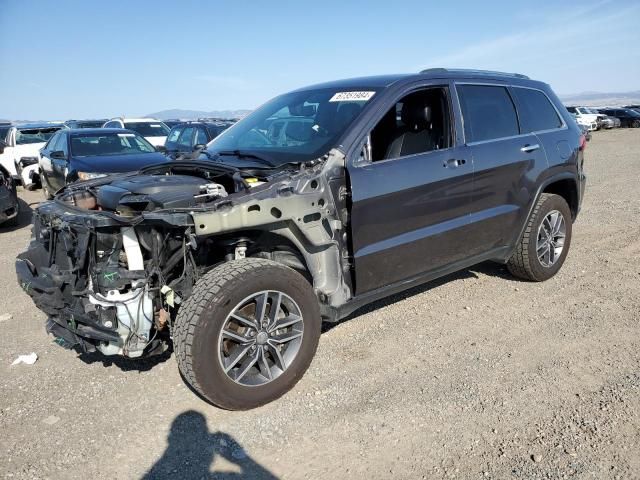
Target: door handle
454, 162
530, 148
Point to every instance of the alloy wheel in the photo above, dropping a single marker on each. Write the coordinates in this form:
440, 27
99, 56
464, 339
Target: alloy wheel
260, 338
551, 235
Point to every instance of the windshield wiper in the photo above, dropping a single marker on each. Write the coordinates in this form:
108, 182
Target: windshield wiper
243, 154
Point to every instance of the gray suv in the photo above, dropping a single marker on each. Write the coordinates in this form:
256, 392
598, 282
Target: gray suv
322, 200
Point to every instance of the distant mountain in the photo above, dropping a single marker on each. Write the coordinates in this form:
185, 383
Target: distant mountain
601, 99
192, 114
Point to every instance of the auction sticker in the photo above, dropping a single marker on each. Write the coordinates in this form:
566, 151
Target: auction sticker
351, 96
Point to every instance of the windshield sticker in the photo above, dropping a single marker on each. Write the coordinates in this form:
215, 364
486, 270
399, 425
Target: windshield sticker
351, 96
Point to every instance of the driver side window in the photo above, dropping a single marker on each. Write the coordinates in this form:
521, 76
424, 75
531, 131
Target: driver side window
61, 144
417, 123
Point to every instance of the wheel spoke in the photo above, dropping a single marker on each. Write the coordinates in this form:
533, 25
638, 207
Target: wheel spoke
261, 307
264, 364
247, 322
284, 337
246, 367
236, 337
277, 356
284, 322
239, 354
275, 308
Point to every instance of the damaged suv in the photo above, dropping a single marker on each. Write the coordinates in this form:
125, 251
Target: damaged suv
320, 201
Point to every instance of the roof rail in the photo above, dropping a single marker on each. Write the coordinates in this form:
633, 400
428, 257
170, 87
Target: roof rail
473, 72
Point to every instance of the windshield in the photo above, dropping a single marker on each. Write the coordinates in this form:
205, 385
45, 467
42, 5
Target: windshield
35, 135
109, 144
148, 129
294, 127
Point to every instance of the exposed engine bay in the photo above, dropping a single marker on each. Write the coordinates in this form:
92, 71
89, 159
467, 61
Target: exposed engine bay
112, 259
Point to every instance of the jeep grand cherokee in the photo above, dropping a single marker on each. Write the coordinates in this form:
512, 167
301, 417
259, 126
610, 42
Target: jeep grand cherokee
320, 201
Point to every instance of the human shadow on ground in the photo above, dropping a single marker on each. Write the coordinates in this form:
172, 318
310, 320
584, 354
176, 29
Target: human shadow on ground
192, 451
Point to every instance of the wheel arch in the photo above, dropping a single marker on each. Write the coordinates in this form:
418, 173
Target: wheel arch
567, 188
564, 184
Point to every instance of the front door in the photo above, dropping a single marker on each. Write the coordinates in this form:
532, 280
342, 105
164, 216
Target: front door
410, 193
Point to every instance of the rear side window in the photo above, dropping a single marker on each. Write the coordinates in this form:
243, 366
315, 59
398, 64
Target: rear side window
112, 124
488, 112
536, 111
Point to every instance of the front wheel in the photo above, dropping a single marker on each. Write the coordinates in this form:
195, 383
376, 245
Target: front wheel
545, 243
636, 124
247, 333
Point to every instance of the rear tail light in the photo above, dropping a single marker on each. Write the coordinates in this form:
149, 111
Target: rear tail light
583, 142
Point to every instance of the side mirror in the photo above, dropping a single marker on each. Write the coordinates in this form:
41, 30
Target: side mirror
199, 146
58, 155
161, 149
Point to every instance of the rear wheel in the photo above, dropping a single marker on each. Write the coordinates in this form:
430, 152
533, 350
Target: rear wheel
247, 333
636, 124
545, 242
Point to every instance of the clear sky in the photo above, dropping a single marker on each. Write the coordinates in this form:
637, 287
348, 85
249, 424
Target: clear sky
81, 59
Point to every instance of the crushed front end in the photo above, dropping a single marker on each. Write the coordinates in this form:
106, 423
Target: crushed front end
112, 259
100, 287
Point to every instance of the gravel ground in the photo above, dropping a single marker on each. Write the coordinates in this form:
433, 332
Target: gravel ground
476, 375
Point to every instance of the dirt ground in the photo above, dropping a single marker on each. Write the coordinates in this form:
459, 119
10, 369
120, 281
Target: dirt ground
476, 375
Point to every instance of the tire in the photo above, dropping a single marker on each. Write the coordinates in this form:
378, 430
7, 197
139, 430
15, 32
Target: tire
636, 124
199, 344
525, 262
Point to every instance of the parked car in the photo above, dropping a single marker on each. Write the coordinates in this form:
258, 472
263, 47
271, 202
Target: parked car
608, 122
385, 183
590, 125
186, 137
172, 123
627, 117
23, 142
85, 123
153, 130
9, 205
586, 116
83, 154
635, 108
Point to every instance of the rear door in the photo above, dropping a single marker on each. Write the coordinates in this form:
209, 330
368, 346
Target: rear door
506, 162
540, 117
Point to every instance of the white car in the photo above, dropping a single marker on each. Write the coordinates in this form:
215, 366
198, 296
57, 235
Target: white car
22, 152
153, 130
586, 116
